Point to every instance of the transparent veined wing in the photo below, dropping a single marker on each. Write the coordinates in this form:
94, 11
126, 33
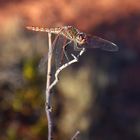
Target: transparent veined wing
59, 54
97, 42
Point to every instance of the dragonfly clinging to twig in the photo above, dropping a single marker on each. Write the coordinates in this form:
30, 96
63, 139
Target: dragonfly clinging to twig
81, 40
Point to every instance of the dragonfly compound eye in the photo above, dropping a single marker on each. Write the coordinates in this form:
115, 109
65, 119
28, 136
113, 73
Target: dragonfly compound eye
80, 38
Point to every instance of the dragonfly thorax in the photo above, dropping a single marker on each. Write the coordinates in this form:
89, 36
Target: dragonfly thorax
74, 34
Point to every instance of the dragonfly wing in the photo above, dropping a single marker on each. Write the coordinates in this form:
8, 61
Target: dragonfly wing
59, 52
63, 52
97, 42
43, 63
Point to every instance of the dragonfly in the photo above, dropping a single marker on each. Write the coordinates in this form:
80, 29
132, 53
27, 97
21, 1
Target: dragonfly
80, 39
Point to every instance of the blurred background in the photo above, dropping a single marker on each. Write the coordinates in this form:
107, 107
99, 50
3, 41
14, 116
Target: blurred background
100, 95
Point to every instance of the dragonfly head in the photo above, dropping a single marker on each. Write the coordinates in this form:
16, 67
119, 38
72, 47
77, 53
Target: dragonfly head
80, 38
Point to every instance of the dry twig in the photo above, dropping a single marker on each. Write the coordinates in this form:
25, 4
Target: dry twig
49, 85
48, 102
75, 135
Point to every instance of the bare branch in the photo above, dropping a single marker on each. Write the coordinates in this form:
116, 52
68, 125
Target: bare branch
48, 105
75, 135
64, 66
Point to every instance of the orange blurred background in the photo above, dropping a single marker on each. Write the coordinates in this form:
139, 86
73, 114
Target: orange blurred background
98, 96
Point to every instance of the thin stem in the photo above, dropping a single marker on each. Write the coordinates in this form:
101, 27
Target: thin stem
48, 102
75, 135
74, 60
50, 85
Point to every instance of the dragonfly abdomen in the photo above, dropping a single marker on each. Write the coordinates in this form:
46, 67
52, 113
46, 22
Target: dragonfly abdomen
42, 29
68, 31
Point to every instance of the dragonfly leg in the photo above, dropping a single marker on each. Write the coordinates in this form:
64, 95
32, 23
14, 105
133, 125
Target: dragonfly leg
76, 48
